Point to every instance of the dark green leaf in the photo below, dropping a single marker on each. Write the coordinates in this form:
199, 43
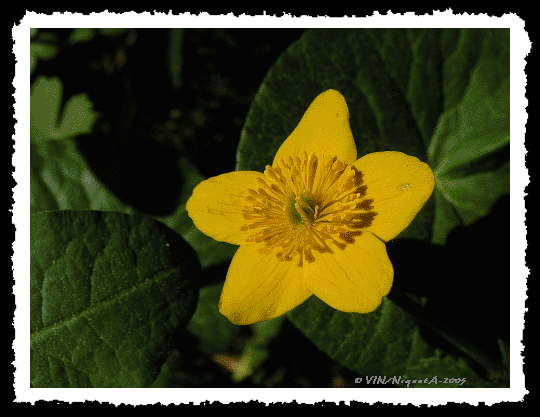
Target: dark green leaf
372, 344
108, 292
470, 153
212, 328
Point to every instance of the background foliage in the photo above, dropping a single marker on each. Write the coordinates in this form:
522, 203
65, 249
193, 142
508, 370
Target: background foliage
126, 122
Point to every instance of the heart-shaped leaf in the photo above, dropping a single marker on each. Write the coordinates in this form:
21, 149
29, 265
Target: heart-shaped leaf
400, 85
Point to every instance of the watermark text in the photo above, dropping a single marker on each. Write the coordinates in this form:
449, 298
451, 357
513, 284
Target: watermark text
383, 380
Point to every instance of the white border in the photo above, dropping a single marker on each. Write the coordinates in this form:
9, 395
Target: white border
520, 47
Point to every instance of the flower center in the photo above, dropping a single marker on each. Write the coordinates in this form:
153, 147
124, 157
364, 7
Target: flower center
302, 209
306, 204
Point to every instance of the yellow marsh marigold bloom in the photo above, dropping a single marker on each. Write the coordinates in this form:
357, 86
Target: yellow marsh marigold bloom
315, 222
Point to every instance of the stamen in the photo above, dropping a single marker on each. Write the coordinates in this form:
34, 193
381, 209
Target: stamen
303, 204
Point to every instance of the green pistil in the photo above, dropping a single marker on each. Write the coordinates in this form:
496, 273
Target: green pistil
302, 210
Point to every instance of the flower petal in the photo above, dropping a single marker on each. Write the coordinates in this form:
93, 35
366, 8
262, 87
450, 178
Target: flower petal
353, 279
399, 185
216, 205
260, 287
324, 129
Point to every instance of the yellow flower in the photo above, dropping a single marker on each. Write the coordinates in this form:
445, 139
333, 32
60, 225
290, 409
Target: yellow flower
315, 222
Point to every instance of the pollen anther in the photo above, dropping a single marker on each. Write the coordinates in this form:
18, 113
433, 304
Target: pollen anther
304, 204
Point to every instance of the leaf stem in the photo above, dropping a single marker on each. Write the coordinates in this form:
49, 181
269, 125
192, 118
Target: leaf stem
447, 332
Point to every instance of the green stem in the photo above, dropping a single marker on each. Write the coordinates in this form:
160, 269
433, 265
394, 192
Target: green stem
444, 330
